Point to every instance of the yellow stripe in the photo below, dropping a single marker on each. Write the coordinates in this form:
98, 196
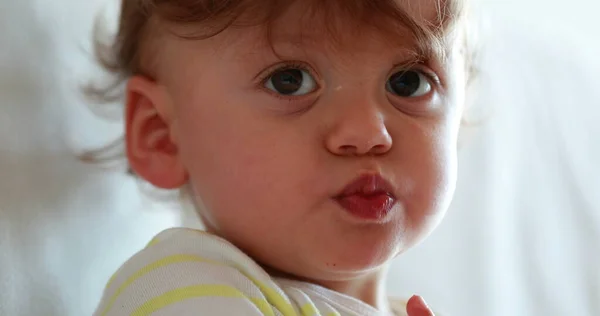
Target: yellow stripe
309, 310
334, 313
147, 269
263, 306
152, 242
110, 281
196, 291
273, 297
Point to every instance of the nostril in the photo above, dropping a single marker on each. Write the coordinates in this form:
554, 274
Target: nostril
348, 150
379, 149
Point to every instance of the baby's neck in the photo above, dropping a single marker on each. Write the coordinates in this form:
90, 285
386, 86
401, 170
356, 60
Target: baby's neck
369, 289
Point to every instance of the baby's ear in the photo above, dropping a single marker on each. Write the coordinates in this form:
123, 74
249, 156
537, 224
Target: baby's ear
151, 150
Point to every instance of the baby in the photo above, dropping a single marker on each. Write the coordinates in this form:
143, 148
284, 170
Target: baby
317, 140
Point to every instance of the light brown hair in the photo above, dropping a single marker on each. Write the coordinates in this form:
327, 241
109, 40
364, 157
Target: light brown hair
141, 21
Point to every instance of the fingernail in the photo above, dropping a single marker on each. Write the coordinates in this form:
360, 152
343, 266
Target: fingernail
422, 301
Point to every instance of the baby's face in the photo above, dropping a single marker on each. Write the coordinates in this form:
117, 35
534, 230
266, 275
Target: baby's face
270, 141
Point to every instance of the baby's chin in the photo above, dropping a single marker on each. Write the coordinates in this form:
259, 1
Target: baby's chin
324, 273
345, 263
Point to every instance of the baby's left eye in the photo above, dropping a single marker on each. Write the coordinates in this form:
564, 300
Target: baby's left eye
291, 82
409, 84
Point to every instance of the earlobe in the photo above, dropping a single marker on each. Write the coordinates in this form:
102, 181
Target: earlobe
151, 150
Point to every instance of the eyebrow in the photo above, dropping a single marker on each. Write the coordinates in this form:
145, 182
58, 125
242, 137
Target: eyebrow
405, 54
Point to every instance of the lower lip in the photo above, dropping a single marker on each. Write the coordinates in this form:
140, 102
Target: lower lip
368, 207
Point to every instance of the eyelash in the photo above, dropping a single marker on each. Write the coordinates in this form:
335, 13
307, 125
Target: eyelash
418, 67
262, 79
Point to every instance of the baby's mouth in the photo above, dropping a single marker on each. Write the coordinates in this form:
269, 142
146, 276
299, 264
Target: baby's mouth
369, 197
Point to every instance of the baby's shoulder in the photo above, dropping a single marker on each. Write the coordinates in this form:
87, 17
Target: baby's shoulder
177, 249
179, 264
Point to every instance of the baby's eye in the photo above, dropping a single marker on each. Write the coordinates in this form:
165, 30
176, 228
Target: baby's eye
291, 82
408, 84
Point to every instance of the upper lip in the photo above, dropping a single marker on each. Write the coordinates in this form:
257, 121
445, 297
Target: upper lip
368, 184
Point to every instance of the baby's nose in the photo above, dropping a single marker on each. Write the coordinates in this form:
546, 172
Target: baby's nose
357, 131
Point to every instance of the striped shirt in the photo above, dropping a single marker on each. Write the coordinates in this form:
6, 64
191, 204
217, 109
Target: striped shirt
188, 272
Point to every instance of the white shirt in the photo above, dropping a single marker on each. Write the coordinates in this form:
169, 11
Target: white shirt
188, 272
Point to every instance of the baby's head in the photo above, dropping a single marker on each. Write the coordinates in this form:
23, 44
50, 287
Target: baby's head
320, 137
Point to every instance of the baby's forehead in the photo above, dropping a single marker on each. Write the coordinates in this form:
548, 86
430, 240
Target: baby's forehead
342, 25
403, 30
293, 42
402, 22
337, 19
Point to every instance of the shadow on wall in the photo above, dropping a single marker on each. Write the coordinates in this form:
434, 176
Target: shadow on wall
39, 178
39, 229
65, 227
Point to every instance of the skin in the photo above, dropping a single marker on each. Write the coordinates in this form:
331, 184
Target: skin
263, 167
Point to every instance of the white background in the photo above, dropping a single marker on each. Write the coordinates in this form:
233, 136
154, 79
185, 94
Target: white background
522, 237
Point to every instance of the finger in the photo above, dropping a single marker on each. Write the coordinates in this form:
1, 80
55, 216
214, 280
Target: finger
416, 306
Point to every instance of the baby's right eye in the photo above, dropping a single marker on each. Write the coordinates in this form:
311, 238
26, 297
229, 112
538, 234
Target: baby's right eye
291, 82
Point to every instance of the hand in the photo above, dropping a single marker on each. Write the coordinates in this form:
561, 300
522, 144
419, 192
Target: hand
416, 307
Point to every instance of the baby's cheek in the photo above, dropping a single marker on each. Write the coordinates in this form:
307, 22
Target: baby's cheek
440, 187
433, 172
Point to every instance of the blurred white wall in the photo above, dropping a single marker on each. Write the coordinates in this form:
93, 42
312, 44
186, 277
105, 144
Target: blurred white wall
522, 237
